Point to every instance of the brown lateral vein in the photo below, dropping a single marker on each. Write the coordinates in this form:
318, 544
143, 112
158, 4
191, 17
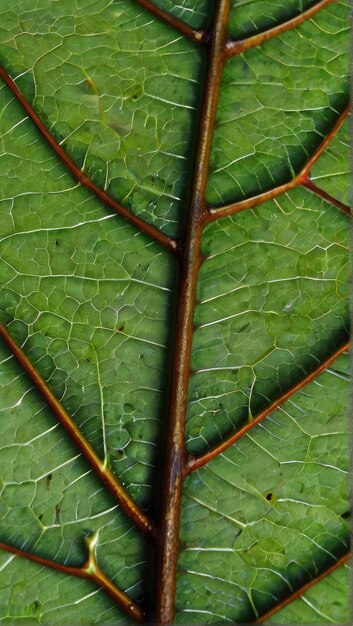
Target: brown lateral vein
303, 178
190, 260
164, 240
325, 142
327, 197
299, 592
195, 35
236, 47
90, 570
195, 463
128, 505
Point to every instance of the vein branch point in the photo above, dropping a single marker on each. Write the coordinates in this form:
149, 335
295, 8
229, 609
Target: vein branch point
89, 571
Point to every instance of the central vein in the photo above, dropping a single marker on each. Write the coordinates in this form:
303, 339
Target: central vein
190, 261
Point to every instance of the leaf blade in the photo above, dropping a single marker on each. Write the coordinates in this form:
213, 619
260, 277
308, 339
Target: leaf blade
145, 299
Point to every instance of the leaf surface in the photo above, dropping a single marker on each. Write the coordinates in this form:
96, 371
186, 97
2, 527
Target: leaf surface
241, 329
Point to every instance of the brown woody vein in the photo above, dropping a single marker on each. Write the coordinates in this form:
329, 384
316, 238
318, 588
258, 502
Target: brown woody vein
178, 465
303, 178
344, 560
190, 262
90, 570
148, 229
236, 47
195, 463
128, 505
197, 36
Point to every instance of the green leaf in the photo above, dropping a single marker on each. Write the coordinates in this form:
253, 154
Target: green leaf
215, 313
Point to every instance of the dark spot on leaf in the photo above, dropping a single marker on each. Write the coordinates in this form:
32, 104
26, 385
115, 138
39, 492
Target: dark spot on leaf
270, 497
346, 515
121, 329
48, 480
56, 242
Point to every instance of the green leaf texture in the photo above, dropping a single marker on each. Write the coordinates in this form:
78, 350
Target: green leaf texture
91, 300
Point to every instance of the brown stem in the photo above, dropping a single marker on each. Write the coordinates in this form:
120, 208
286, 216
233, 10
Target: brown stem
128, 505
216, 213
325, 142
90, 571
191, 33
189, 265
302, 178
297, 594
195, 463
236, 47
326, 196
147, 229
